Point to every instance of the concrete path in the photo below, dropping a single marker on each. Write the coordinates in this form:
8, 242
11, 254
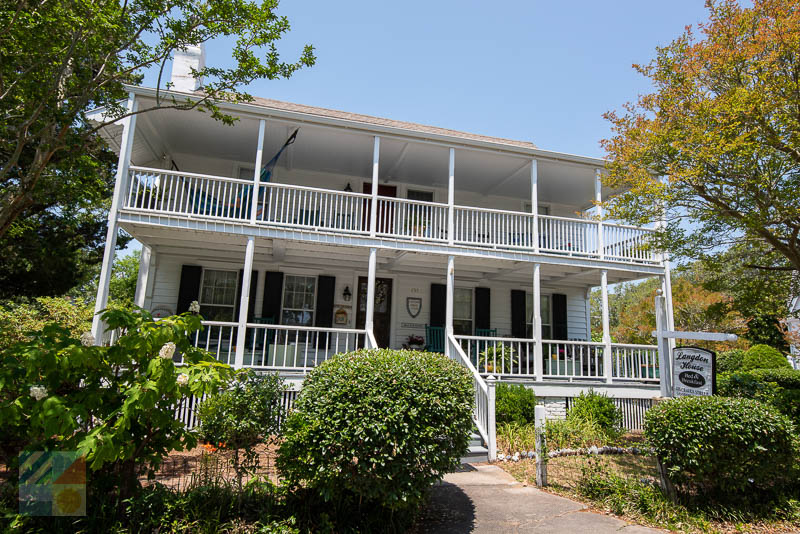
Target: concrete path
484, 498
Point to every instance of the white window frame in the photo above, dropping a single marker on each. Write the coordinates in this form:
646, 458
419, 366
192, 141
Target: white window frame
543, 209
312, 311
232, 306
546, 321
471, 319
421, 190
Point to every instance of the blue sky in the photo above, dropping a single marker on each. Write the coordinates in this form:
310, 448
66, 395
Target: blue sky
543, 71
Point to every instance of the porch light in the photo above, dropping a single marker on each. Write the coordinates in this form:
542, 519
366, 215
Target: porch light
346, 293
347, 188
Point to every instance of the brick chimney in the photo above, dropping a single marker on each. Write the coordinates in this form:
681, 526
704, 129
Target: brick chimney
182, 63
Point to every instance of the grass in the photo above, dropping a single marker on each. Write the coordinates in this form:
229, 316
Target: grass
625, 485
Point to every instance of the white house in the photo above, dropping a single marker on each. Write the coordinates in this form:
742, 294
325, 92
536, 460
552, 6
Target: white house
370, 230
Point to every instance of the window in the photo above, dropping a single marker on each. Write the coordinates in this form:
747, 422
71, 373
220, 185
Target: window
246, 173
425, 196
547, 322
543, 210
218, 295
298, 300
462, 311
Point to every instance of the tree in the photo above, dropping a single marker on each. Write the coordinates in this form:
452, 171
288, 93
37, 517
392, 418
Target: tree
121, 287
62, 58
723, 125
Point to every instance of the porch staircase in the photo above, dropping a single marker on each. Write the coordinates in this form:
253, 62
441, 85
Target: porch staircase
477, 450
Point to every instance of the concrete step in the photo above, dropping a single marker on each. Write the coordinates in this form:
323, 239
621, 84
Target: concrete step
477, 450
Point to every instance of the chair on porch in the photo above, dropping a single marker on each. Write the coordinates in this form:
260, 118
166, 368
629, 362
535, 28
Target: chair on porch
435, 338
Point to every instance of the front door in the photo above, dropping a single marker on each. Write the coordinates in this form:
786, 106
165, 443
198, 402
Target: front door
385, 212
382, 316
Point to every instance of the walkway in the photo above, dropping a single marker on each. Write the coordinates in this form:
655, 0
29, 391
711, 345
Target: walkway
485, 499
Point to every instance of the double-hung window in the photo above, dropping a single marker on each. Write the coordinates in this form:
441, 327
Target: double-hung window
462, 311
299, 294
218, 295
547, 321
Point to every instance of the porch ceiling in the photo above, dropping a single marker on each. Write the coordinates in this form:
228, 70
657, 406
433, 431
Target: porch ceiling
214, 247
182, 135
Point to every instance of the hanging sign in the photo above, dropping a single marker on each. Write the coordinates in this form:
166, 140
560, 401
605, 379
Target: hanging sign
693, 372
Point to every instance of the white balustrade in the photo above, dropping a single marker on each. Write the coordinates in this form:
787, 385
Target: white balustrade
412, 219
575, 237
493, 228
481, 410
627, 243
500, 356
572, 359
219, 339
634, 362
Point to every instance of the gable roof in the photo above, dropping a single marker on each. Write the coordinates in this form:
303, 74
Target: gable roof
378, 121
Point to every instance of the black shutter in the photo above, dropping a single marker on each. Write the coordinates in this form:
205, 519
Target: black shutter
438, 304
273, 291
518, 319
326, 285
482, 307
560, 330
251, 305
189, 287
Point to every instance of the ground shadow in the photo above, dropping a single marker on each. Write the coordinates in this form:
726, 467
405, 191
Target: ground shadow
449, 510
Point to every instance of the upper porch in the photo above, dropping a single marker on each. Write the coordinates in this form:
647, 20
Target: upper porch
367, 181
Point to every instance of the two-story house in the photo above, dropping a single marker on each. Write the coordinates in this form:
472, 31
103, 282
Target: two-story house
368, 231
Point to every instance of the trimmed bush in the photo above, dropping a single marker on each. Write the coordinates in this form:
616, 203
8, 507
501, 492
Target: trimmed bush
598, 408
514, 403
730, 360
724, 447
779, 387
374, 429
764, 357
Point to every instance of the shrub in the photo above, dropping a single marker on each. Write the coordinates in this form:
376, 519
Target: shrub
243, 416
574, 433
730, 360
514, 403
374, 429
779, 387
724, 447
764, 357
115, 405
20, 319
599, 408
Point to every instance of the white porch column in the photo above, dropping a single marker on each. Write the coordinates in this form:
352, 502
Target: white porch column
142, 278
373, 212
451, 213
257, 172
538, 363
598, 198
666, 283
373, 265
664, 347
244, 303
535, 203
126, 145
606, 326
448, 318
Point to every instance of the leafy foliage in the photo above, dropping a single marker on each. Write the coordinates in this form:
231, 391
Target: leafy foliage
764, 357
730, 360
779, 387
115, 405
19, 319
514, 403
374, 429
724, 447
597, 408
575, 433
498, 359
722, 123
58, 67
246, 414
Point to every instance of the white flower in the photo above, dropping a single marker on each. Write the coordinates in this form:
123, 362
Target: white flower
87, 339
194, 307
167, 350
183, 379
38, 392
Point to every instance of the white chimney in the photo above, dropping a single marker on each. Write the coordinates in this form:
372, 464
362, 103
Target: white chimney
194, 57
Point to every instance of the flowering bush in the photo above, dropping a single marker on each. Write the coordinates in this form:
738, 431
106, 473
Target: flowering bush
115, 404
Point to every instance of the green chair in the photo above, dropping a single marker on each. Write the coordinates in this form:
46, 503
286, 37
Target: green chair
434, 335
486, 332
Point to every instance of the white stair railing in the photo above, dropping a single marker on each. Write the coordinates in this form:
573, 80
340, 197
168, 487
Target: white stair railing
483, 415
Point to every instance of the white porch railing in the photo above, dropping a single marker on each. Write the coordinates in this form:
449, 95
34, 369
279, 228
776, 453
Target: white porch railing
203, 196
296, 348
308, 207
499, 356
484, 402
635, 362
218, 338
572, 359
